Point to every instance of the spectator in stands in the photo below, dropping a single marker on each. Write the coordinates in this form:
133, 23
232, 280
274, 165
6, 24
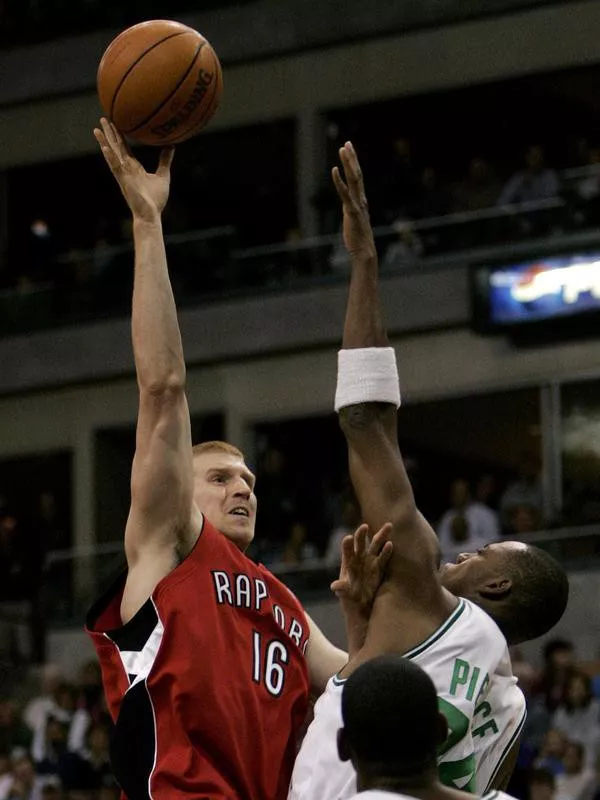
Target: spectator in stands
535, 182
90, 770
525, 491
551, 752
578, 151
91, 705
541, 785
26, 785
588, 187
478, 190
577, 782
523, 671
40, 253
52, 789
486, 491
467, 525
6, 776
433, 198
297, 548
405, 251
11, 556
537, 724
14, 734
401, 185
50, 747
38, 708
559, 660
524, 519
578, 716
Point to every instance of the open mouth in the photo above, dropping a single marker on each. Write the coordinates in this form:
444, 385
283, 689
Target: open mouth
240, 511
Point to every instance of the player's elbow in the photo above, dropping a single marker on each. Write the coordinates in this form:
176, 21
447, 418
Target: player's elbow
365, 417
166, 388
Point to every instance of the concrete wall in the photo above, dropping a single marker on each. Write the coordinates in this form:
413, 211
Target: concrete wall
59, 123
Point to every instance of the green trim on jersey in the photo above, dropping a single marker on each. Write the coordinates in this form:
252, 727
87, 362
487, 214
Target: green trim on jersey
436, 635
420, 648
506, 750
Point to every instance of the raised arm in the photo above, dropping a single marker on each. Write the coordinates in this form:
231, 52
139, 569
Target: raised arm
367, 373
162, 513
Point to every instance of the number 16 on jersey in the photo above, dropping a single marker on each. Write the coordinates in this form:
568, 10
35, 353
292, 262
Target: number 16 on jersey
268, 661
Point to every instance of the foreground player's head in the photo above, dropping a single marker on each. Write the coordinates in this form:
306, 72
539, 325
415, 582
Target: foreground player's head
521, 587
391, 725
224, 490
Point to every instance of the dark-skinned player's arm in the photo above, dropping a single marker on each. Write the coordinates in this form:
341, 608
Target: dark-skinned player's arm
363, 568
162, 514
367, 399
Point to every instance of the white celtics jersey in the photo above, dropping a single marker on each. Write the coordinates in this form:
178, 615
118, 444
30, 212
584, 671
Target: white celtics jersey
378, 794
467, 659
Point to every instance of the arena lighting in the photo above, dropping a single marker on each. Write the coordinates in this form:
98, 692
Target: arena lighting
537, 291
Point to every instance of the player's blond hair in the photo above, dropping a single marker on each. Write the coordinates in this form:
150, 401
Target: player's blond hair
217, 446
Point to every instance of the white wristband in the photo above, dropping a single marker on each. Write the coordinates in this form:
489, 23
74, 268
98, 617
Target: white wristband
367, 375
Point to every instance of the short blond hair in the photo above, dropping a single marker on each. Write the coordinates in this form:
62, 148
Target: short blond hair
217, 446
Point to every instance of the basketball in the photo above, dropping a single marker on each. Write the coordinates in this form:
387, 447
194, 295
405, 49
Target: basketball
160, 82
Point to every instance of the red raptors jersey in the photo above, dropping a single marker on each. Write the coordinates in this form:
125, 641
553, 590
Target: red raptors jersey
208, 683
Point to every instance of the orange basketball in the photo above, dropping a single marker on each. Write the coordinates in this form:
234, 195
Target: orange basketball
160, 82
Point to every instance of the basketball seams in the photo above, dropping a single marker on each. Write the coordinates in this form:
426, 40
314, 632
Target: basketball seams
199, 124
176, 88
163, 93
136, 62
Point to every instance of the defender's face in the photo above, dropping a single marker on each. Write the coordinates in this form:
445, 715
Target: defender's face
471, 572
224, 493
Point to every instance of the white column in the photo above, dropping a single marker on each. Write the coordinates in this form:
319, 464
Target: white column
310, 166
238, 431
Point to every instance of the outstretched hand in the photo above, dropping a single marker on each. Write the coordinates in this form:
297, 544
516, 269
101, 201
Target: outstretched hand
146, 193
364, 562
358, 234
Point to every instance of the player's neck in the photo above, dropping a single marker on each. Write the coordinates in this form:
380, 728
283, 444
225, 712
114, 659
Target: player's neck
421, 785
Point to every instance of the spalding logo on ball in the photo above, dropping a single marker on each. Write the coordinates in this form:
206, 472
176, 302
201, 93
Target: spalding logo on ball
160, 82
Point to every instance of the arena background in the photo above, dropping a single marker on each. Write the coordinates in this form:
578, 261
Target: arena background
444, 102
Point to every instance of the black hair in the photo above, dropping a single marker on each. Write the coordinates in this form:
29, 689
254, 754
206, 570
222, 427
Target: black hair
378, 701
578, 747
537, 598
542, 776
578, 675
555, 646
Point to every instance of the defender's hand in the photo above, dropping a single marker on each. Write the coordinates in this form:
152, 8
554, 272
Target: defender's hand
146, 193
363, 566
358, 234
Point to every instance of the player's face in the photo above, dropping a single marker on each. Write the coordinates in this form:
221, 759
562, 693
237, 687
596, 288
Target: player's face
473, 572
224, 493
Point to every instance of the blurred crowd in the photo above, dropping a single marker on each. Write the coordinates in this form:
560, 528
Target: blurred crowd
54, 737
54, 741
560, 748
431, 214
422, 210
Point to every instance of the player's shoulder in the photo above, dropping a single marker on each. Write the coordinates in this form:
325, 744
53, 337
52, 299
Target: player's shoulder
479, 633
481, 624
